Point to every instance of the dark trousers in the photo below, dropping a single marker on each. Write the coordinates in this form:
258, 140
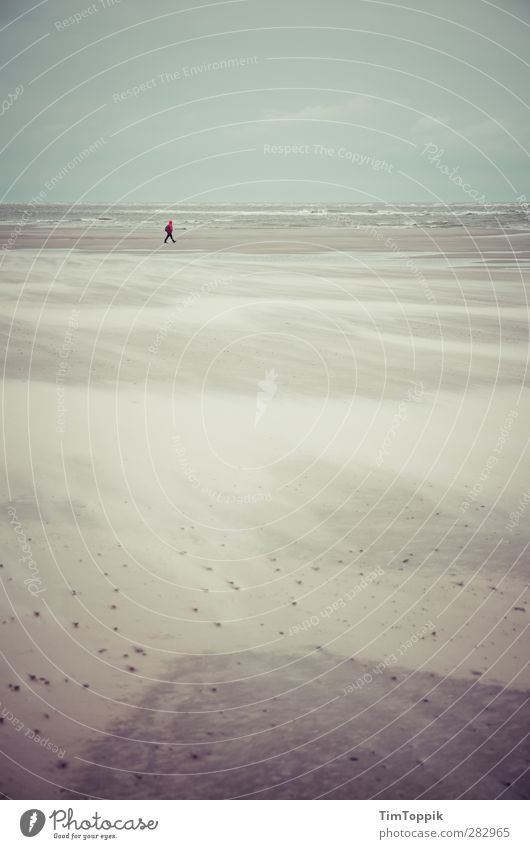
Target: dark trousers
169, 236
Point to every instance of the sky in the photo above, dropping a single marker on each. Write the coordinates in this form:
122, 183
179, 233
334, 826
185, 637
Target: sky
265, 100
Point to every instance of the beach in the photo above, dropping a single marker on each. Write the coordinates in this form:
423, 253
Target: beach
265, 513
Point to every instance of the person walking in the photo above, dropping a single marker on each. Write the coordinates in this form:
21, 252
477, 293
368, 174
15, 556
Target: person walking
169, 232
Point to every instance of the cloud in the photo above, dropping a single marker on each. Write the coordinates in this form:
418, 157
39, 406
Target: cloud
352, 109
453, 131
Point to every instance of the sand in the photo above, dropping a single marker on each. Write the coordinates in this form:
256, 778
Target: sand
265, 529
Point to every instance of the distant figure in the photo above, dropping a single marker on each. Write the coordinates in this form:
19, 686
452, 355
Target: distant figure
169, 232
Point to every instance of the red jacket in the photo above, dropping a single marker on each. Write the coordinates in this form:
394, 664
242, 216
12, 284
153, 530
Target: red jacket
169, 227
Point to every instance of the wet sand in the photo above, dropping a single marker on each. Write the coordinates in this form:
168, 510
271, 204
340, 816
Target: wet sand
446, 241
265, 515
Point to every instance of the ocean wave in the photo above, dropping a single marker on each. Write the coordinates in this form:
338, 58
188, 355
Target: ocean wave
227, 215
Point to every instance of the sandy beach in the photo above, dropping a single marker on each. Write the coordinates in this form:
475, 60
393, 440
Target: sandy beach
265, 514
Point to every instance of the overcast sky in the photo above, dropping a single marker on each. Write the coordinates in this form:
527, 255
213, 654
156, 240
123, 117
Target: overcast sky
360, 88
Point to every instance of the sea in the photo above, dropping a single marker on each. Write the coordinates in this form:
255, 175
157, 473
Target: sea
506, 216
